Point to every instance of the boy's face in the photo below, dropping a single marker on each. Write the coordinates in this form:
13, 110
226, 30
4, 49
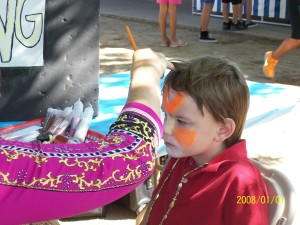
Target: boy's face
186, 131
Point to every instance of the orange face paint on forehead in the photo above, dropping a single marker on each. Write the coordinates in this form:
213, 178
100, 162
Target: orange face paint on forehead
171, 106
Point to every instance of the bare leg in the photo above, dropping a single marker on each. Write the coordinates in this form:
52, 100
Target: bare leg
162, 18
173, 23
240, 13
235, 11
225, 12
205, 15
248, 11
286, 46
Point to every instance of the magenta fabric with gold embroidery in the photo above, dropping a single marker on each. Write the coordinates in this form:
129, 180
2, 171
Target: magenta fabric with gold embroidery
40, 182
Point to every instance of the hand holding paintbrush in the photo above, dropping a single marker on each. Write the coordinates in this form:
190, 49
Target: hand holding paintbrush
133, 44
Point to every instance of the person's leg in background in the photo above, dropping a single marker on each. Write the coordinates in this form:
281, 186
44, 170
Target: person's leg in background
225, 11
240, 14
173, 23
204, 21
174, 42
286, 46
248, 23
271, 57
235, 10
162, 18
235, 25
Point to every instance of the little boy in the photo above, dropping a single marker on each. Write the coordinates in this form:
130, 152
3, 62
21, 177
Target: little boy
206, 102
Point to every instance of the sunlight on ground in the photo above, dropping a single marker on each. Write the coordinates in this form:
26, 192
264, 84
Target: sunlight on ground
114, 57
112, 54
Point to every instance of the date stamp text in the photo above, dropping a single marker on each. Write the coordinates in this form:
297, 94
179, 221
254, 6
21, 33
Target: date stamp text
264, 199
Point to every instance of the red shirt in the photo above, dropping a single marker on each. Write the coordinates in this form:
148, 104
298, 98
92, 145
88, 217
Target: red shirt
226, 191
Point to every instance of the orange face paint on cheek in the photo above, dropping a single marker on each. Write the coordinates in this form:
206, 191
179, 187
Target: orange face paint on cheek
185, 137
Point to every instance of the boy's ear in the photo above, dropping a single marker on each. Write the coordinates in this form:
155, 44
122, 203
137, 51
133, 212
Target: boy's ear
225, 130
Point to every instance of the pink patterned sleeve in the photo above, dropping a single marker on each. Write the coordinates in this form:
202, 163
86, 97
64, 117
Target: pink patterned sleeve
41, 182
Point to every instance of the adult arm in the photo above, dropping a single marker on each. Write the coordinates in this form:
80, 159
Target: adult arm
41, 182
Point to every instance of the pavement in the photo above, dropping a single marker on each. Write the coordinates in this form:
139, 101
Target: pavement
187, 17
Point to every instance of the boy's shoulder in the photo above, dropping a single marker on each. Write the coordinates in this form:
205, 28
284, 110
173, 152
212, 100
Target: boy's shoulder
242, 172
243, 167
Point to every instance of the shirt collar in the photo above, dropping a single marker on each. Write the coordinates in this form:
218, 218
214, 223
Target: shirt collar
232, 154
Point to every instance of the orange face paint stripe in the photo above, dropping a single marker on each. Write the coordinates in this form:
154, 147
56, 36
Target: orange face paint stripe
172, 105
185, 137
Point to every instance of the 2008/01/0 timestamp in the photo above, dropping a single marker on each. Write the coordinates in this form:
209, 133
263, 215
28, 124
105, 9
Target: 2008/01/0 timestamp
251, 199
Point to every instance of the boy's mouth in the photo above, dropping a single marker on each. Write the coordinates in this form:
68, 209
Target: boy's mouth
169, 145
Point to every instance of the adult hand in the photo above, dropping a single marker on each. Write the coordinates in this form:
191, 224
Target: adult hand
146, 70
146, 61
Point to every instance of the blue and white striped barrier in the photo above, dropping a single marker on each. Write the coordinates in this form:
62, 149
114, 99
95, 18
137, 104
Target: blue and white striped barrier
263, 8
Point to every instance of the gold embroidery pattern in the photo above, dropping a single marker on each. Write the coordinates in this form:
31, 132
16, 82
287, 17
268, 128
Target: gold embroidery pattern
5, 177
130, 175
82, 183
142, 127
51, 181
91, 164
15, 155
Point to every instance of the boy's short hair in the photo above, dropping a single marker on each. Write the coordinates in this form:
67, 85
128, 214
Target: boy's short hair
217, 84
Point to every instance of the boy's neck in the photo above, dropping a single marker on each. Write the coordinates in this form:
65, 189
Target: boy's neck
209, 155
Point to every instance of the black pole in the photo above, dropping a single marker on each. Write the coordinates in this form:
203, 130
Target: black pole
1, 79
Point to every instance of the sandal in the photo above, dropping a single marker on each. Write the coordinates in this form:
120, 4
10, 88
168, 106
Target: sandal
167, 44
179, 43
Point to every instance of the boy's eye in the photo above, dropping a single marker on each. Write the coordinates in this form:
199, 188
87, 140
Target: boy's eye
181, 122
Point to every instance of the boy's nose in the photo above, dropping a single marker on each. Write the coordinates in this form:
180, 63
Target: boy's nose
169, 126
